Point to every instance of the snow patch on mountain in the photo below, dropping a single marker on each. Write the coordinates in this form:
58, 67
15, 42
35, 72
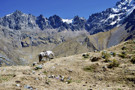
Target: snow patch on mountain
9, 14
115, 10
68, 21
112, 15
123, 6
113, 23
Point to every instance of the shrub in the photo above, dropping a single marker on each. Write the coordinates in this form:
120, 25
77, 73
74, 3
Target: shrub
6, 77
85, 55
69, 81
107, 60
113, 54
105, 55
123, 55
134, 41
45, 72
38, 67
123, 48
95, 59
119, 89
90, 68
133, 60
114, 63
78, 81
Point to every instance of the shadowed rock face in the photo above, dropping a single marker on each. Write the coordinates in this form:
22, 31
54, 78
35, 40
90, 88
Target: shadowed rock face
55, 21
130, 20
42, 22
78, 23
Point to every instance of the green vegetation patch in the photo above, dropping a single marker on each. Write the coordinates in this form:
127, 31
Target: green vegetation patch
4, 78
106, 56
107, 60
69, 81
131, 78
113, 54
124, 48
94, 59
85, 55
123, 55
90, 68
133, 60
45, 72
114, 63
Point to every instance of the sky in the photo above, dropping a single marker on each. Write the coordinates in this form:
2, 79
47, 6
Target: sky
64, 8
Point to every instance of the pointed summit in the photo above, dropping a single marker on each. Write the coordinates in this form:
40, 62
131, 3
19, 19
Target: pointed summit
17, 12
77, 20
55, 21
42, 22
40, 16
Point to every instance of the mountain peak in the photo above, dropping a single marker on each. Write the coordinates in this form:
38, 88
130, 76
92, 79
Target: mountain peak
78, 19
17, 12
55, 17
41, 16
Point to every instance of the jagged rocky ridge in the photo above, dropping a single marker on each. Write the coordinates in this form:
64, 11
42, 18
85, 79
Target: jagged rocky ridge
98, 22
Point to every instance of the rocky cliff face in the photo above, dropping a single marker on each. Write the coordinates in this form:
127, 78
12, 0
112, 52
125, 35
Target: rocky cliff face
78, 23
111, 17
42, 22
18, 21
130, 21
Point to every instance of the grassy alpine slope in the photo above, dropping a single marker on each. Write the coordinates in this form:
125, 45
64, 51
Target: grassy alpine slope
111, 69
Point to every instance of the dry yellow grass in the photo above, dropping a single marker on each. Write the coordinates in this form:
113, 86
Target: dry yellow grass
98, 77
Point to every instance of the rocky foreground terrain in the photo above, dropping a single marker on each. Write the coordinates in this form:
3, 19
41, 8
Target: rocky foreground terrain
24, 36
110, 69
